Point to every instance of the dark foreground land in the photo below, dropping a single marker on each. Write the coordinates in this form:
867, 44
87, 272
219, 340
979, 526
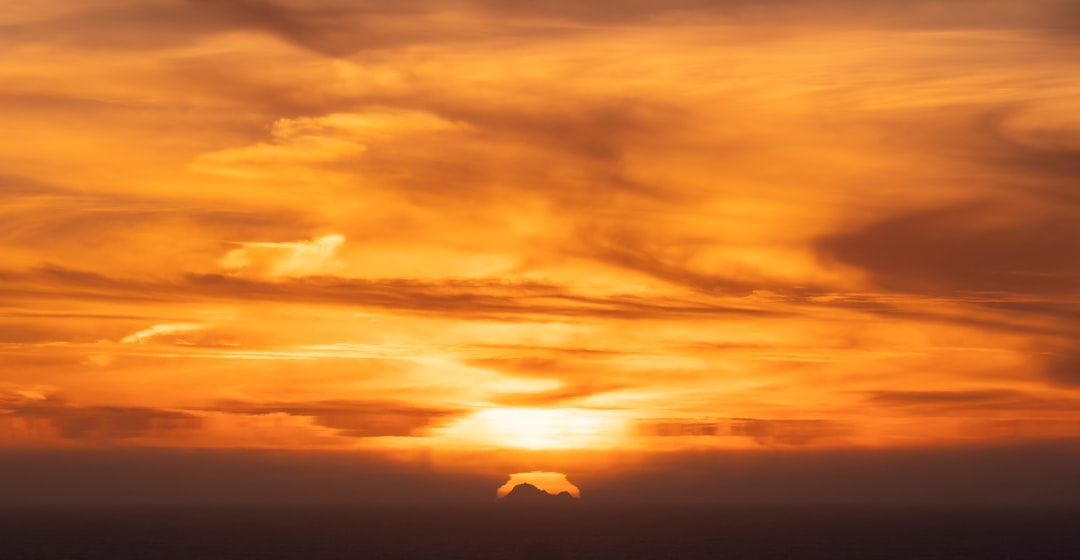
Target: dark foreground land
578, 531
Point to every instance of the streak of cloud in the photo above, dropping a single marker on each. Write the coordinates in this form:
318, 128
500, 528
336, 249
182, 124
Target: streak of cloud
159, 330
276, 260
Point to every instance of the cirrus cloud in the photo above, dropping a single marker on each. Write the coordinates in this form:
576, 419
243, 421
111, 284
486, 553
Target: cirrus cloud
283, 260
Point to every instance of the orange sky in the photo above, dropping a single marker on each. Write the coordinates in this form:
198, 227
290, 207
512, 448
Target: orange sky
484, 230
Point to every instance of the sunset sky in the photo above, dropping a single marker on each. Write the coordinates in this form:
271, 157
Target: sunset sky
469, 238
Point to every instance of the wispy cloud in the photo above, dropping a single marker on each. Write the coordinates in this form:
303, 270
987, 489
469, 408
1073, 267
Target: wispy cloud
160, 330
276, 260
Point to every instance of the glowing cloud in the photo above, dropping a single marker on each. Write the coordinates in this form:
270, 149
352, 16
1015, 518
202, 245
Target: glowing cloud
160, 330
277, 260
298, 145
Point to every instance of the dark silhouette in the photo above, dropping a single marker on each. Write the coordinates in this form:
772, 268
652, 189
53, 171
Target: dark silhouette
526, 493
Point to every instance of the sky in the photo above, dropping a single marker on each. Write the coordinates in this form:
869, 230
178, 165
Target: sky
731, 249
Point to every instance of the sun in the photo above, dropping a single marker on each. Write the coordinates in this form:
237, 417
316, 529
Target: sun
539, 428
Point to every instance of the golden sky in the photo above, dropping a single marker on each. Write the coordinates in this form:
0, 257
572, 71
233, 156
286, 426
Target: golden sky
481, 230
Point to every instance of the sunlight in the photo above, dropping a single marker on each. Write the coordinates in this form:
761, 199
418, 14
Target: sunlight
539, 428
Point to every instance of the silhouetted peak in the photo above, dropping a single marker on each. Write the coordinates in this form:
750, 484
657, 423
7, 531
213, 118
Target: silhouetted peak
526, 493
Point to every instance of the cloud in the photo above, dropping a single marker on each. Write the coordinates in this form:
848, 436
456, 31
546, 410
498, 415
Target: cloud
48, 418
782, 432
41, 414
14, 186
1005, 229
284, 260
1062, 364
75, 224
297, 142
357, 419
338, 28
491, 298
108, 423
160, 330
669, 260
970, 402
576, 379
973, 247
327, 29
567, 395
303, 148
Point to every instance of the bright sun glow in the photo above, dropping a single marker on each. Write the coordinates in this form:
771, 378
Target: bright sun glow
539, 428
